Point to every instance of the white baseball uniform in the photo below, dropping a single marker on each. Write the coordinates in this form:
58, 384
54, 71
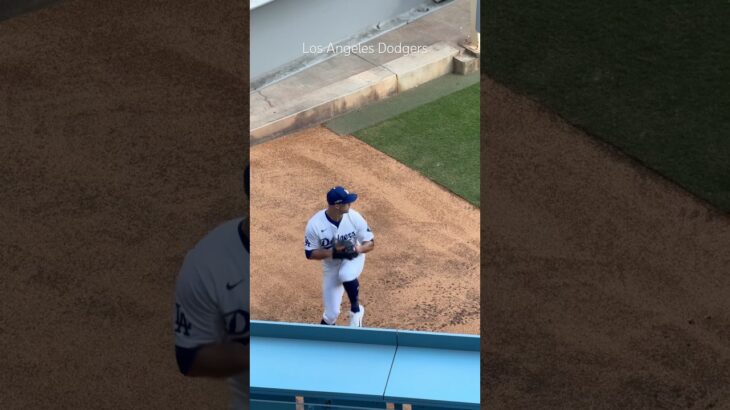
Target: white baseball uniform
212, 298
319, 234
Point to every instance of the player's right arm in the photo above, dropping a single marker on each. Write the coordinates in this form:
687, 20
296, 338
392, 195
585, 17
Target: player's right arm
198, 350
320, 254
313, 249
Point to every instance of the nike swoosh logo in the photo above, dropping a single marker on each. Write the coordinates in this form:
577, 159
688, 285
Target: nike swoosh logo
230, 287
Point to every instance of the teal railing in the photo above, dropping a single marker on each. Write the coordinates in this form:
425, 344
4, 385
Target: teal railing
342, 367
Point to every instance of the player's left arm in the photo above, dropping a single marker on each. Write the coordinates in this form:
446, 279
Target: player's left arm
365, 247
364, 235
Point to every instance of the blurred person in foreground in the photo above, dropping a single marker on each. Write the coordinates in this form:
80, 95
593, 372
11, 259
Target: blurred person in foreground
211, 314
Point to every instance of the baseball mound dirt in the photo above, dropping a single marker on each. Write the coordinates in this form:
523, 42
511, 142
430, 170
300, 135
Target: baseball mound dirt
121, 145
605, 285
424, 271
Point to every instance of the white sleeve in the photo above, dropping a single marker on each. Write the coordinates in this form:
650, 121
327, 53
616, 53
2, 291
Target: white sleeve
364, 233
196, 318
311, 240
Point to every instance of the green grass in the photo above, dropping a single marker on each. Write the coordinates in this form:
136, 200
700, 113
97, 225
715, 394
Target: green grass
649, 77
439, 139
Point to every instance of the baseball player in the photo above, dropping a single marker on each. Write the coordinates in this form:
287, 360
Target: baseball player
340, 238
211, 315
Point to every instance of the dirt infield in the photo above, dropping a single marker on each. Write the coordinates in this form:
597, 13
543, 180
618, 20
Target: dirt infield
121, 145
424, 271
605, 286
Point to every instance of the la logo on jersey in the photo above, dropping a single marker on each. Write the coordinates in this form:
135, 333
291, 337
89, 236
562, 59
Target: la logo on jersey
181, 321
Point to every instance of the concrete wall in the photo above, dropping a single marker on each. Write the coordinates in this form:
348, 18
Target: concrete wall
12, 8
279, 28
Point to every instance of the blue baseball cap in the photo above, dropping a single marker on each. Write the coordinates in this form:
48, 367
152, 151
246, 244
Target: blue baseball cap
339, 195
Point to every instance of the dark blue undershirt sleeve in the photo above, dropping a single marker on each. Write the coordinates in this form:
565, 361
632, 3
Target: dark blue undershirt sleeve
185, 358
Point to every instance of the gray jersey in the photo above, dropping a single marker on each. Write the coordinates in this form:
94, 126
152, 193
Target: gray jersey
212, 297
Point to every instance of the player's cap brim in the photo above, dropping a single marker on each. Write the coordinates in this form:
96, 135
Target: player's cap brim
350, 199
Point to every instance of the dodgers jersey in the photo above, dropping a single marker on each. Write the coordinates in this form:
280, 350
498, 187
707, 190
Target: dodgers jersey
321, 231
212, 297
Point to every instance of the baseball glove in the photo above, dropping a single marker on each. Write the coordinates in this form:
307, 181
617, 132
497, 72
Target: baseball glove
344, 250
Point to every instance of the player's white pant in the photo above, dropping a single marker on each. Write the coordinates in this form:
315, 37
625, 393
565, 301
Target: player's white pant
332, 289
351, 269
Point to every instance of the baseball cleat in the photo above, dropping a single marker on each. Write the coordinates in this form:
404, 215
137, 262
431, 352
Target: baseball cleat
356, 318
